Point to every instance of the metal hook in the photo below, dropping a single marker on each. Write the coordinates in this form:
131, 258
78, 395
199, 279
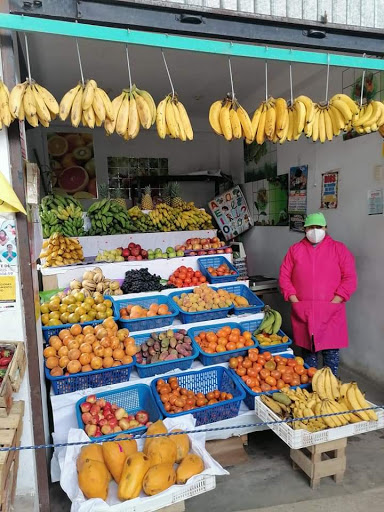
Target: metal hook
362, 83
168, 73
79, 59
27, 55
231, 77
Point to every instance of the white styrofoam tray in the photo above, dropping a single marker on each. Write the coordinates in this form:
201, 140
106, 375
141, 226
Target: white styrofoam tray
301, 438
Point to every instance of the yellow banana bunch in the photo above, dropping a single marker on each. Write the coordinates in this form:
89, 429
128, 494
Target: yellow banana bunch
31, 101
229, 119
370, 117
86, 104
172, 119
5, 114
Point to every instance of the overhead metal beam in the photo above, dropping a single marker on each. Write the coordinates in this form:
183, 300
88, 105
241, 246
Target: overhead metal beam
176, 42
215, 23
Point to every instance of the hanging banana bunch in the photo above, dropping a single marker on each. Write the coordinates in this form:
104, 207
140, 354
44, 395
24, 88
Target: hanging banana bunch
31, 102
86, 103
172, 119
370, 117
5, 114
229, 119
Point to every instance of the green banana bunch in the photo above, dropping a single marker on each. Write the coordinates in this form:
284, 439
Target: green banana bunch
271, 323
109, 217
61, 214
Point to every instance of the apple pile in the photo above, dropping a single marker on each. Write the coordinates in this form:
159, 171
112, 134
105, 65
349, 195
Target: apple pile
134, 252
204, 246
102, 418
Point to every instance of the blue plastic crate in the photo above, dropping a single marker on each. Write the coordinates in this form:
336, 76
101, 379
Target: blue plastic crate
252, 325
150, 370
93, 379
49, 330
204, 381
256, 304
215, 261
249, 399
222, 357
154, 322
132, 399
199, 316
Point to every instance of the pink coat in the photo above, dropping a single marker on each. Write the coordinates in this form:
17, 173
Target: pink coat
315, 274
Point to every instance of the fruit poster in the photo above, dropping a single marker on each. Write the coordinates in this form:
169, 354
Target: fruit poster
329, 189
72, 164
298, 178
231, 212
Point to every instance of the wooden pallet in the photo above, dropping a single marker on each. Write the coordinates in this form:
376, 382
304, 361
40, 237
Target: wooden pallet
11, 429
321, 460
13, 378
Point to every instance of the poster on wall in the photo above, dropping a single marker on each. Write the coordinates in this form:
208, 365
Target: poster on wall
231, 213
8, 248
7, 287
296, 223
298, 178
375, 202
329, 189
71, 160
270, 201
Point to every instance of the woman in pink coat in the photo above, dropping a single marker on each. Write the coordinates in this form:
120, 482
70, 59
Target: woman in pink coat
318, 276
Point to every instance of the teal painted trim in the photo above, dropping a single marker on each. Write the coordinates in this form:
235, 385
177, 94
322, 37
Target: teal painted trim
175, 42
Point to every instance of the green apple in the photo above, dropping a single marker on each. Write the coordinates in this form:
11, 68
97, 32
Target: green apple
172, 255
151, 256
165, 255
180, 254
170, 250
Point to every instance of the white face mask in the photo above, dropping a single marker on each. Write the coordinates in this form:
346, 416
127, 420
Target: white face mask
315, 235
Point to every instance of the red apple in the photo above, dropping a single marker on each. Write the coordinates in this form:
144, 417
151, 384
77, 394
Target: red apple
192, 254
131, 245
188, 247
109, 416
144, 254
113, 422
215, 239
211, 252
90, 430
228, 250
95, 409
120, 413
201, 253
188, 241
114, 407
182, 248
134, 424
139, 257
135, 251
196, 247
215, 245
131, 258
91, 399
142, 417
130, 417
206, 246
124, 423
107, 404
86, 417
103, 422
106, 429
85, 406
220, 251
204, 241
100, 402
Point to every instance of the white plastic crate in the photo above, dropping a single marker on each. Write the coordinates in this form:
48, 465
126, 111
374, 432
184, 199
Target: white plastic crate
297, 439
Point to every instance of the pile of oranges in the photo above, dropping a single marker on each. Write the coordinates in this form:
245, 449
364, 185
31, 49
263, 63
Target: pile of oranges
177, 399
135, 311
83, 349
223, 340
221, 270
265, 372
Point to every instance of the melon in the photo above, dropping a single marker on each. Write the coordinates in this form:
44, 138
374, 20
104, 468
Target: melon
73, 179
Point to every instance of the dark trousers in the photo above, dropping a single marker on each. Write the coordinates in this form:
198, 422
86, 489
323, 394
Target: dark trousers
331, 358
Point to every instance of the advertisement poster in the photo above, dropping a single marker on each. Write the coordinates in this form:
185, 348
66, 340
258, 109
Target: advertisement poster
7, 287
270, 201
231, 213
8, 248
375, 202
297, 200
296, 223
71, 160
329, 189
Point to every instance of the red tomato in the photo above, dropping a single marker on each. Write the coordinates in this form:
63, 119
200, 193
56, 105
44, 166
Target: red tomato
267, 355
179, 283
203, 279
176, 274
187, 280
182, 276
195, 280
197, 273
182, 269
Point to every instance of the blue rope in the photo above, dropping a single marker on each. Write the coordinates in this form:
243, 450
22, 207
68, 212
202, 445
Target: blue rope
211, 429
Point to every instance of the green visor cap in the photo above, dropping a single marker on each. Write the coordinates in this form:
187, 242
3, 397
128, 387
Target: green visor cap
315, 219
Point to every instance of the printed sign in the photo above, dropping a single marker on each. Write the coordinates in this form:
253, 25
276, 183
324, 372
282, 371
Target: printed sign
375, 202
296, 223
298, 178
329, 189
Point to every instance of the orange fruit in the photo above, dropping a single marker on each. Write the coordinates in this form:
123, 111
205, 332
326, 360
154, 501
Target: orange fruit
108, 362
99, 351
85, 348
53, 339
130, 350
51, 362
75, 329
84, 359
101, 333
89, 338
88, 329
73, 344
96, 363
63, 361
74, 354
80, 338
86, 368
163, 310
247, 335
118, 354
63, 333
109, 323
108, 352
63, 351
49, 352
127, 359
74, 366
67, 339
56, 371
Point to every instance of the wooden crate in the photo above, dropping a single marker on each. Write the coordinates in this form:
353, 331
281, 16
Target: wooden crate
13, 377
321, 460
11, 429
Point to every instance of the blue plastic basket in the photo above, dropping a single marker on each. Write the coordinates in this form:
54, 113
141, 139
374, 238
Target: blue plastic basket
204, 381
94, 379
132, 399
249, 399
154, 322
199, 316
256, 305
214, 262
222, 357
252, 325
49, 330
149, 370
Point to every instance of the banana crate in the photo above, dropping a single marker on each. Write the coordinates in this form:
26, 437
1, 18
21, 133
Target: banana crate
297, 439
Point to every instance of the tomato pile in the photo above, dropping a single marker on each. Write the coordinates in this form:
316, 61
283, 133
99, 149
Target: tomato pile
223, 340
176, 399
221, 270
265, 372
184, 277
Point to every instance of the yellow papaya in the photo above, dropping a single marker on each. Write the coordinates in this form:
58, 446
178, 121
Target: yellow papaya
156, 428
182, 445
131, 480
94, 479
159, 478
115, 453
162, 450
191, 465
91, 452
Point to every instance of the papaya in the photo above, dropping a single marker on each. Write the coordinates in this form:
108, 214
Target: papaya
156, 428
162, 450
115, 452
91, 452
191, 465
131, 480
159, 478
182, 445
93, 479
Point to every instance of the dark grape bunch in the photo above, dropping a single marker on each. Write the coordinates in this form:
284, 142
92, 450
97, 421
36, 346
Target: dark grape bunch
137, 281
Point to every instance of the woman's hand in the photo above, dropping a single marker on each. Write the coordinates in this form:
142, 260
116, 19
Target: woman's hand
293, 298
337, 299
